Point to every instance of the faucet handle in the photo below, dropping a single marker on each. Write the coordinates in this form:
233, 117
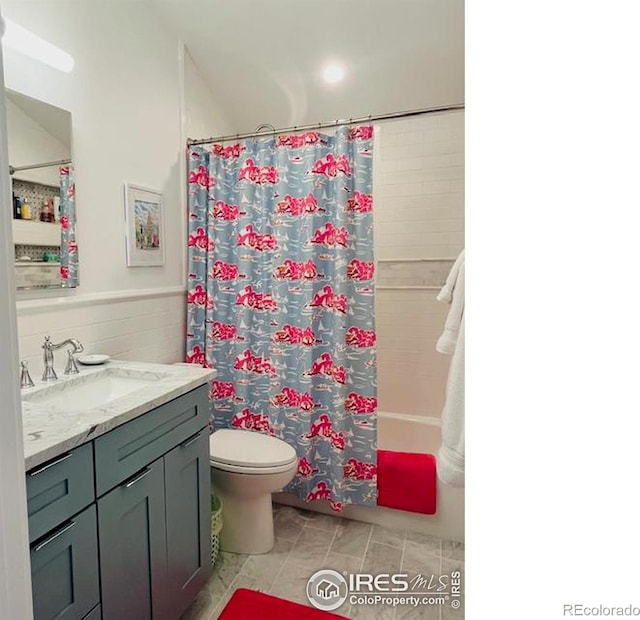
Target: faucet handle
25, 377
71, 368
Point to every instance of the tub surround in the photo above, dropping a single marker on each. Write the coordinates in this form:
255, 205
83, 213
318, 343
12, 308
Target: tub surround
48, 432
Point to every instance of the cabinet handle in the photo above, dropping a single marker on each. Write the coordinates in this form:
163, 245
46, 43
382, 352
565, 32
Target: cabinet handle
64, 457
139, 477
187, 443
51, 538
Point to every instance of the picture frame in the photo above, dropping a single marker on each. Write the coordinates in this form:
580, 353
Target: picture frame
144, 226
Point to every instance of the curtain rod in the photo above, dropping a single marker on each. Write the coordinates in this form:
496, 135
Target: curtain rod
327, 124
60, 162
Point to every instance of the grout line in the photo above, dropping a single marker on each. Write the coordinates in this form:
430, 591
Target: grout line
229, 587
326, 555
404, 546
366, 549
295, 542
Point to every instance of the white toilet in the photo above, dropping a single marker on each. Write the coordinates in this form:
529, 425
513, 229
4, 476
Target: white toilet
246, 467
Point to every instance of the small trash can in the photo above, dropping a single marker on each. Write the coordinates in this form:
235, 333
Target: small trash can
216, 526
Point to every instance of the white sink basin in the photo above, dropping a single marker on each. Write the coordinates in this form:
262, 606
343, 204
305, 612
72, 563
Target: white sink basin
91, 390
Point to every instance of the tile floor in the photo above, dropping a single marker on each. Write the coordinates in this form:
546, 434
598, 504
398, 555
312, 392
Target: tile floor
307, 541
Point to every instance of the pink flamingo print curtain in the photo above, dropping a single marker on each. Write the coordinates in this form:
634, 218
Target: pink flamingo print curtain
280, 300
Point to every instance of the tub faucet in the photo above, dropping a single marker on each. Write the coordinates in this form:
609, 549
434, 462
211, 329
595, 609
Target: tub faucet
49, 348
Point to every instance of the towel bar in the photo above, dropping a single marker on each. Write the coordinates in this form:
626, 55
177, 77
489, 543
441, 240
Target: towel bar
408, 288
415, 260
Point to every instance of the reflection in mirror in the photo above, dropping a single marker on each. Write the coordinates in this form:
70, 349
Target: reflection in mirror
39, 140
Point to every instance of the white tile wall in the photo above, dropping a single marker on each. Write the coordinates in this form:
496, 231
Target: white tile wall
150, 329
419, 213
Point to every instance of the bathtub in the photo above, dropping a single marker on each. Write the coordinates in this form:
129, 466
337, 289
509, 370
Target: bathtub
403, 433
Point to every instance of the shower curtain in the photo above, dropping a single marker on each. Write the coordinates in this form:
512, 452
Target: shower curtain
280, 300
68, 247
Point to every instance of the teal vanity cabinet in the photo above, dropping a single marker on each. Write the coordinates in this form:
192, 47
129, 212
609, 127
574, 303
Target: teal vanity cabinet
154, 511
148, 553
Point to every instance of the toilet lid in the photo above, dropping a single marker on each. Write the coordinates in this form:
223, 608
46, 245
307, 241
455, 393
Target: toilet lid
249, 449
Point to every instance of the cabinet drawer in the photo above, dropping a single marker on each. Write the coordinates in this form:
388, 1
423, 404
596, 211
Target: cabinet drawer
130, 447
64, 570
59, 489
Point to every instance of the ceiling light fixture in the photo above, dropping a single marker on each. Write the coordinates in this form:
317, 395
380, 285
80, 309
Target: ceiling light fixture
26, 42
333, 73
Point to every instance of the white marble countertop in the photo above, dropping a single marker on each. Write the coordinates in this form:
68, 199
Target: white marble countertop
50, 431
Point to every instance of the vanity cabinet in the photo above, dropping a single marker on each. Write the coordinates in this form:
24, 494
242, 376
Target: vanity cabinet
123, 522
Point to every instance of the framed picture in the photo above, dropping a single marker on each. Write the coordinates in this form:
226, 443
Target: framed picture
144, 218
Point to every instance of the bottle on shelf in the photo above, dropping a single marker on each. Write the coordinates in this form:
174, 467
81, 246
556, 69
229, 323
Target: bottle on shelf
17, 207
25, 211
46, 213
56, 209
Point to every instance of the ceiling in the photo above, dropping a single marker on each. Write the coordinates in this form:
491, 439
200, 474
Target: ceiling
55, 121
263, 60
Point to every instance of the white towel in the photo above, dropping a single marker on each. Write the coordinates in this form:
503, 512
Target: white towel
452, 292
451, 454
446, 294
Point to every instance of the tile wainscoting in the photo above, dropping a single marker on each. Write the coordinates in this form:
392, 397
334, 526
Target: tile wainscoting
145, 326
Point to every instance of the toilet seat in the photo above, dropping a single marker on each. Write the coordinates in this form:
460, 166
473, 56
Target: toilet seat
248, 452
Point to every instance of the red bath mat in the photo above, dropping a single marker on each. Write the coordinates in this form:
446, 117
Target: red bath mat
407, 481
251, 605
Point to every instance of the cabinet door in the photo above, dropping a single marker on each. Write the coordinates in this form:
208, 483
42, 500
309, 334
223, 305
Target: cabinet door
64, 569
187, 493
133, 550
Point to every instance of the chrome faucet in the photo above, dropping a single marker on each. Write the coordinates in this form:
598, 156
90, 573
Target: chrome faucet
49, 348
25, 377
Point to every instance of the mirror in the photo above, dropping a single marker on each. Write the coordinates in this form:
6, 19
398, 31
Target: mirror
43, 192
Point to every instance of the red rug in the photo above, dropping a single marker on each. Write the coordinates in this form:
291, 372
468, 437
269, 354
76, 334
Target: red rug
407, 481
251, 605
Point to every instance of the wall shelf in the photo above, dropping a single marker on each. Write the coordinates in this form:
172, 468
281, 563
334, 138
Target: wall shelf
31, 232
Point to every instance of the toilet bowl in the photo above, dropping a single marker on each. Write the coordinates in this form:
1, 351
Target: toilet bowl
246, 467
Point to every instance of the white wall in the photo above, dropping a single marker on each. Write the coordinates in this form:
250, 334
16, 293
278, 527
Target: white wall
30, 143
124, 98
134, 97
204, 118
128, 96
418, 213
